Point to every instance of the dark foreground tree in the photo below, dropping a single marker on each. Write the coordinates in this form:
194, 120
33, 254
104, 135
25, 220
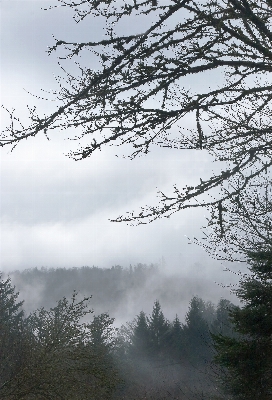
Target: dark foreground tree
142, 96
13, 349
101, 356
54, 354
70, 358
248, 358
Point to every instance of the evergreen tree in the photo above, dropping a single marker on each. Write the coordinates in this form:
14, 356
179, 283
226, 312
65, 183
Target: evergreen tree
13, 347
176, 339
248, 358
140, 340
158, 327
197, 331
100, 354
102, 331
222, 324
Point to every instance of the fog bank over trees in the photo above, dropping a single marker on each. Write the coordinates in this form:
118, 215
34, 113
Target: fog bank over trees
71, 352
122, 292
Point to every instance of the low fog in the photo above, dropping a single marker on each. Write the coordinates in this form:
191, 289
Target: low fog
124, 291
182, 369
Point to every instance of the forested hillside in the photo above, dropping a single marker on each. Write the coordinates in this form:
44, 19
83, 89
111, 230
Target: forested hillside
70, 352
122, 292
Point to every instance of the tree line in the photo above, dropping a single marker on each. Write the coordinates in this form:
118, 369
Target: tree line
121, 291
221, 352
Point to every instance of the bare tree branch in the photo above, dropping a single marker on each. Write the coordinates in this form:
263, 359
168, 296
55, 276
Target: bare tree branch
139, 97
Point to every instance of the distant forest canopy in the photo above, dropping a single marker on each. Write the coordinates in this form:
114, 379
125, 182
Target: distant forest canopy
75, 354
122, 292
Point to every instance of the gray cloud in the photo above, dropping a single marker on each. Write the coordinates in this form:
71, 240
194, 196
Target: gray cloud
54, 211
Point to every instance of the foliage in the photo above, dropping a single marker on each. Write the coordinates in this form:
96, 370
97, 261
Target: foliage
149, 335
158, 328
141, 94
222, 324
197, 331
176, 361
140, 336
53, 353
60, 353
13, 350
176, 339
101, 347
247, 357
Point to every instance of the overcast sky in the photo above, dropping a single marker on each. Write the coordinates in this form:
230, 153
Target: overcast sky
55, 211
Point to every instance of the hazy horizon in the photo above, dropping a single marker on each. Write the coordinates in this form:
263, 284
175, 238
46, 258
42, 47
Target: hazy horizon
54, 211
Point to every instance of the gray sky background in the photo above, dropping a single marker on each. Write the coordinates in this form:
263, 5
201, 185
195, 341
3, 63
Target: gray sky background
54, 211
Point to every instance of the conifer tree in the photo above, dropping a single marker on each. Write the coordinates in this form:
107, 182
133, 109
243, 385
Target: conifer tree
158, 327
197, 331
141, 336
222, 324
100, 353
248, 358
13, 346
176, 339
